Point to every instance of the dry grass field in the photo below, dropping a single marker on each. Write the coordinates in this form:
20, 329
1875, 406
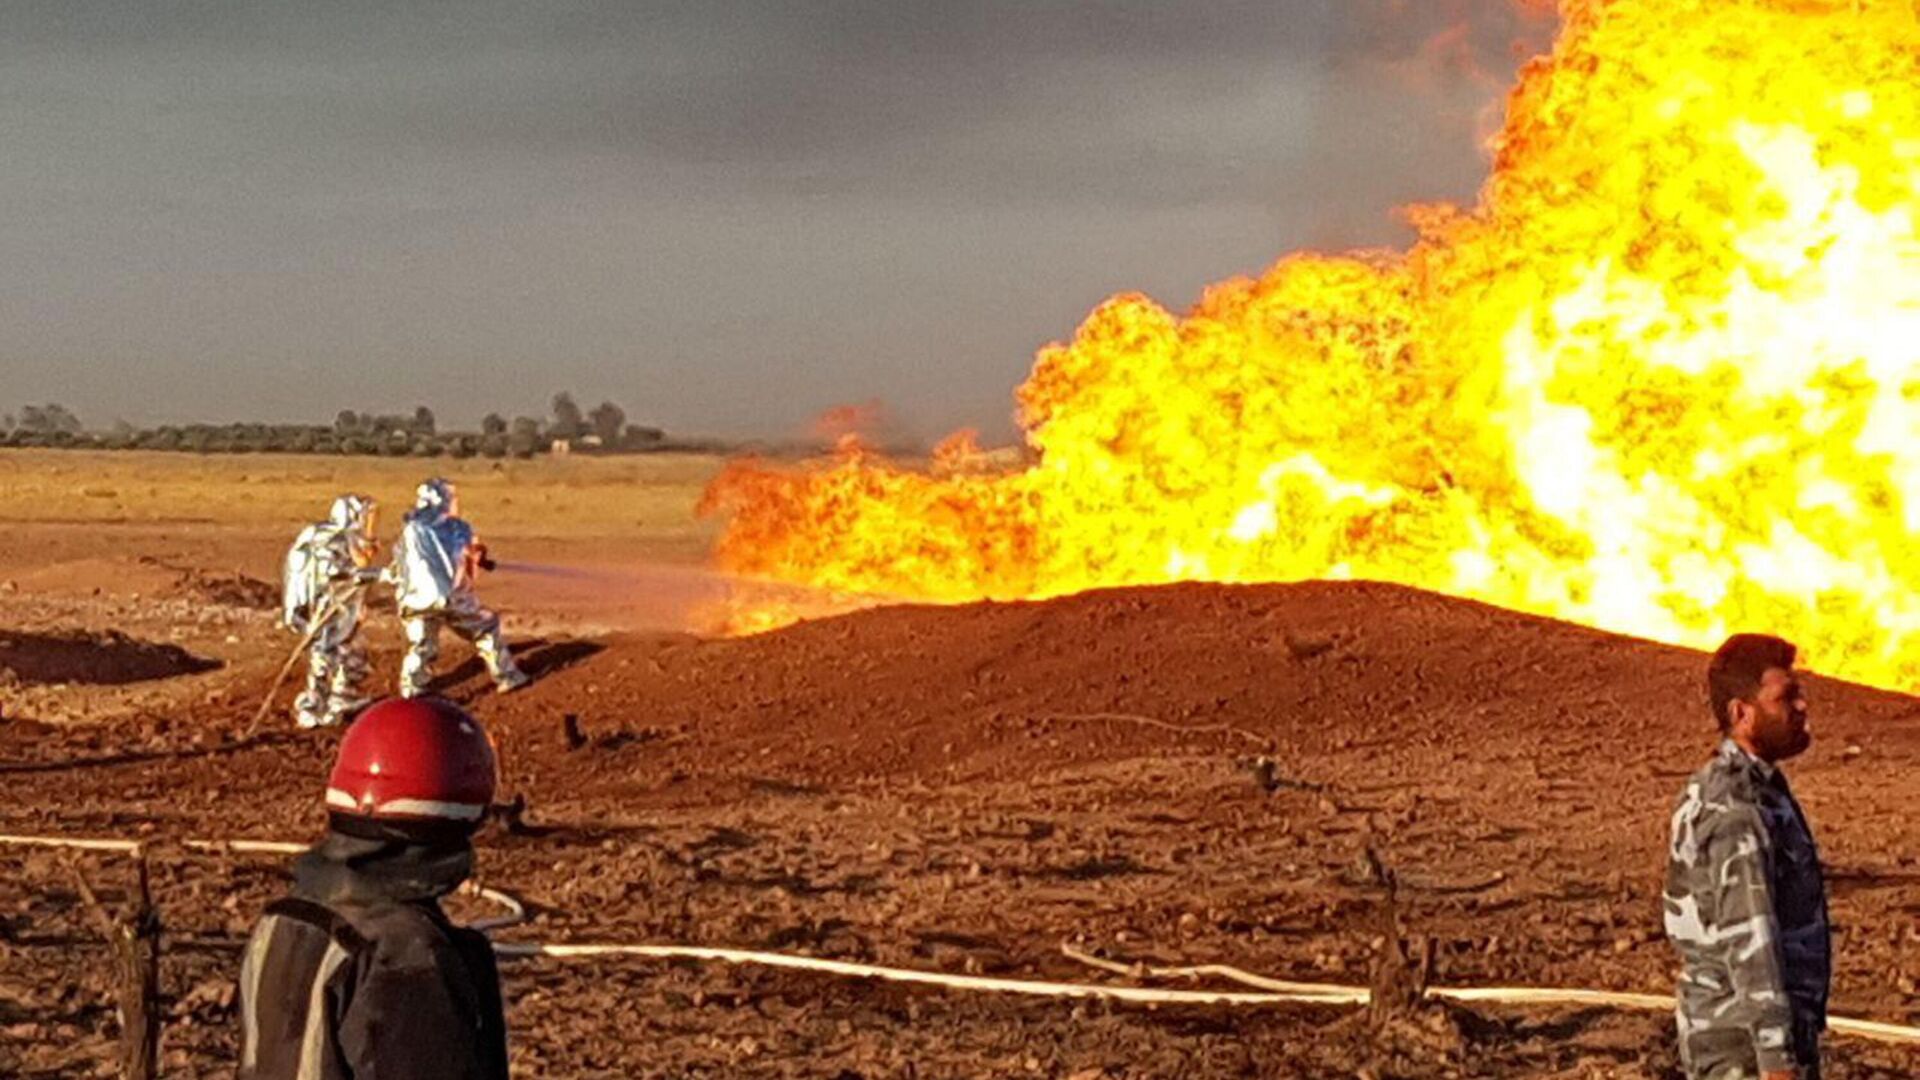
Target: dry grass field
645, 500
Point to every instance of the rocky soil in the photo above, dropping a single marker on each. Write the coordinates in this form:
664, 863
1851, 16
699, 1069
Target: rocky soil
1184, 775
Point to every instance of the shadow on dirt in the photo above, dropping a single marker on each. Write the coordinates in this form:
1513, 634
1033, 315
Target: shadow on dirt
87, 659
537, 657
541, 658
1485, 1029
146, 754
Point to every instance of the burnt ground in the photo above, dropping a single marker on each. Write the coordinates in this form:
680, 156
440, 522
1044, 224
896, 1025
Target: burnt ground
967, 788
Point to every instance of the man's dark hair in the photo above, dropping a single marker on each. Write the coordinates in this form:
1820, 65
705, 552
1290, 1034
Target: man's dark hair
1738, 666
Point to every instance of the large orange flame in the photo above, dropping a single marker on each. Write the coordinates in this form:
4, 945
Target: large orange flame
1663, 379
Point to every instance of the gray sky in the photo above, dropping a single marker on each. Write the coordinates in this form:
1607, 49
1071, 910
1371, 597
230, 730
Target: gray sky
727, 216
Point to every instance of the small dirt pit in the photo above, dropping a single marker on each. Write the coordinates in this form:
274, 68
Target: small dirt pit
92, 659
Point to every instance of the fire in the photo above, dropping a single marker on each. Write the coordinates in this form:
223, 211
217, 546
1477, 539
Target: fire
1662, 379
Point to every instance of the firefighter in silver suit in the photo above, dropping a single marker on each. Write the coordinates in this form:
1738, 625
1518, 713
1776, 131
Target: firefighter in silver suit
323, 586
434, 564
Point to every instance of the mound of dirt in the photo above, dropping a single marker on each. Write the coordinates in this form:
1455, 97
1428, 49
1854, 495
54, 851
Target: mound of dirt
1004, 690
223, 588
232, 590
108, 658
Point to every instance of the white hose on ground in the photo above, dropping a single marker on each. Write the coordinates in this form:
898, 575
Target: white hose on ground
1334, 992
1274, 992
912, 975
1501, 995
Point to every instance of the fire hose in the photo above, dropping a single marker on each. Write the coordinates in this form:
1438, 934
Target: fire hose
1268, 991
329, 605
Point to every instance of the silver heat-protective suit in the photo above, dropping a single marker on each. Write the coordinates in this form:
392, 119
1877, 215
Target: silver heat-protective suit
434, 563
323, 586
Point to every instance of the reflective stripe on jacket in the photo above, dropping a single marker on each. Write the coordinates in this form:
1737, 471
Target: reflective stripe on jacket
369, 992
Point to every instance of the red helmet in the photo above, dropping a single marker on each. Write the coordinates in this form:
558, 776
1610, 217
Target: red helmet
413, 760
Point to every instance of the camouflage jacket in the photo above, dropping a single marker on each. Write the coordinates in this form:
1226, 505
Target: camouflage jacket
1746, 907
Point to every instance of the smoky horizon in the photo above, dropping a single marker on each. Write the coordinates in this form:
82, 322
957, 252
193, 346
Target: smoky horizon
727, 218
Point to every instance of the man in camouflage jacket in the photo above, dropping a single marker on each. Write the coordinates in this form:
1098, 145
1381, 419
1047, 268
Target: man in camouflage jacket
1745, 901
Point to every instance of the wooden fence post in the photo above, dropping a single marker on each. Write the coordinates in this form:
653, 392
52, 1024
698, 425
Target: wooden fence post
135, 944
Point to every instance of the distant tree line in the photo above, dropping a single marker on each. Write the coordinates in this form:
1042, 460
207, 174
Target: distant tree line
603, 430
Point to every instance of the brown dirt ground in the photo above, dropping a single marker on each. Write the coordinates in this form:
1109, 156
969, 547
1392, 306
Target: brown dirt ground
960, 789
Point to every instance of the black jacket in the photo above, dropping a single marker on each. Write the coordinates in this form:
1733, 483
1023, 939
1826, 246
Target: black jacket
358, 975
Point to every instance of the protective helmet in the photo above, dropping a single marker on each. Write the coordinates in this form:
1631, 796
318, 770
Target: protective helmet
437, 495
355, 515
352, 512
417, 766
